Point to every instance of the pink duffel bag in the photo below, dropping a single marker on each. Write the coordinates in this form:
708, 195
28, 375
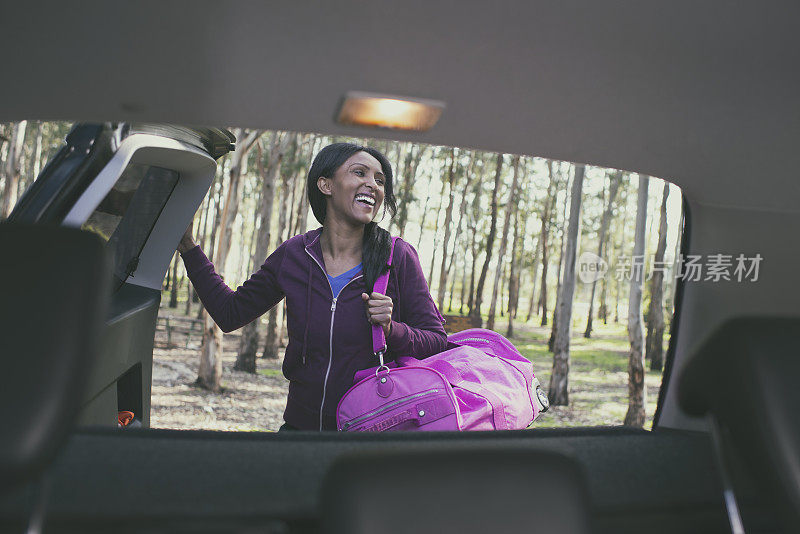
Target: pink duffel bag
481, 382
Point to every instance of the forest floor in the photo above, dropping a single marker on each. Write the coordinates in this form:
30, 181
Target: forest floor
598, 381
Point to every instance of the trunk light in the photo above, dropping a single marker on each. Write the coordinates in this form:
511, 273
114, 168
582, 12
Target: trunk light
366, 109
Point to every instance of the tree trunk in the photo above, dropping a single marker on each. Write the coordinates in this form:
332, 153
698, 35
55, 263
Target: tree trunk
559, 379
212, 240
463, 282
636, 388
615, 181
546, 226
452, 279
189, 295
476, 309
210, 373
474, 217
512, 200
513, 279
620, 249
448, 217
302, 203
462, 221
551, 342
534, 275
424, 211
514, 275
406, 186
248, 343
436, 233
655, 314
173, 295
502, 288
534, 278
35, 164
203, 233
275, 315
13, 168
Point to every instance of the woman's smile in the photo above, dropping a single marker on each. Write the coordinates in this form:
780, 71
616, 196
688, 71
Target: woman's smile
361, 181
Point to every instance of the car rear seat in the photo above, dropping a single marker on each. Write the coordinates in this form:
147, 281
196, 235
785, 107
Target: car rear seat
745, 378
459, 491
55, 293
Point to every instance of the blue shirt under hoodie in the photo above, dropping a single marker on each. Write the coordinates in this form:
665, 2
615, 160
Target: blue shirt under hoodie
338, 282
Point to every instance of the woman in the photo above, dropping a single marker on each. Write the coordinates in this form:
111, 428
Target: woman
327, 276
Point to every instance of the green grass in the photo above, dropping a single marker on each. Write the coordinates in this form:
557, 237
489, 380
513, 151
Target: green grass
270, 372
598, 376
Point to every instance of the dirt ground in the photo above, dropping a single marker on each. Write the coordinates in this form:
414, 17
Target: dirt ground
248, 402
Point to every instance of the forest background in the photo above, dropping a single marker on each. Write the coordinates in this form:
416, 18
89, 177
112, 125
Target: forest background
499, 237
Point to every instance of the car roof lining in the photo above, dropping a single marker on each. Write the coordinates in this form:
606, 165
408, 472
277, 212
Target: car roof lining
702, 95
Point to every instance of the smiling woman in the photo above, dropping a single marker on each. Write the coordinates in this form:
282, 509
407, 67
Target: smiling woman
347, 184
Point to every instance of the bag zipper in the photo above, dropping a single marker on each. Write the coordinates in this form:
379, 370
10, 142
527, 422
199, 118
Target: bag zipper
330, 338
473, 339
387, 407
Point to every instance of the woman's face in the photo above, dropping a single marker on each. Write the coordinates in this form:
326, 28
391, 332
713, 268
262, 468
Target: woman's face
356, 190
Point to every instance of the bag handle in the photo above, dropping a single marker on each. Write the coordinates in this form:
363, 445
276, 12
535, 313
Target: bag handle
382, 282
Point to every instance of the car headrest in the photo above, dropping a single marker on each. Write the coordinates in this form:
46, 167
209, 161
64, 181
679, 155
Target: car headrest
456, 490
54, 300
746, 374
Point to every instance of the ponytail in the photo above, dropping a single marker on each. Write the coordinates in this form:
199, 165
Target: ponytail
375, 254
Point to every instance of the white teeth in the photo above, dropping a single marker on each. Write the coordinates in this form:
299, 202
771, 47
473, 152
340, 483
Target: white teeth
366, 198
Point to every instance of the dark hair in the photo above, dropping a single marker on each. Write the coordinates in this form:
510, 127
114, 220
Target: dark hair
377, 241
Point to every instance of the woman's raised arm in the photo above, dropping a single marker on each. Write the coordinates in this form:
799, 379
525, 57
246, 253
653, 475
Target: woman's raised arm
232, 309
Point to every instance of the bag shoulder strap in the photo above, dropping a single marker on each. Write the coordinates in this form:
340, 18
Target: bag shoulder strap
378, 339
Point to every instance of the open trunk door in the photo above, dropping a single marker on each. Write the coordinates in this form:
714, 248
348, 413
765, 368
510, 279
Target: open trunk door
137, 186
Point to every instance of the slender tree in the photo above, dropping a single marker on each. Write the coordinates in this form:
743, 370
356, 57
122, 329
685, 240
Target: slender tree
13, 168
620, 251
474, 218
637, 393
35, 163
436, 230
448, 217
517, 251
559, 272
173, 296
462, 221
613, 187
546, 227
559, 379
275, 317
475, 312
248, 343
302, 204
655, 313
541, 241
512, 200
424, 211
210, 372
406, 186
513, 280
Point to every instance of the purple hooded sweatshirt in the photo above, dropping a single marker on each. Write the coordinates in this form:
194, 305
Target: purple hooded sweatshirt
329, 338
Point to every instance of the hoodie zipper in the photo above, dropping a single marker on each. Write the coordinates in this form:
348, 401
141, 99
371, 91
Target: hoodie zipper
330, 339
